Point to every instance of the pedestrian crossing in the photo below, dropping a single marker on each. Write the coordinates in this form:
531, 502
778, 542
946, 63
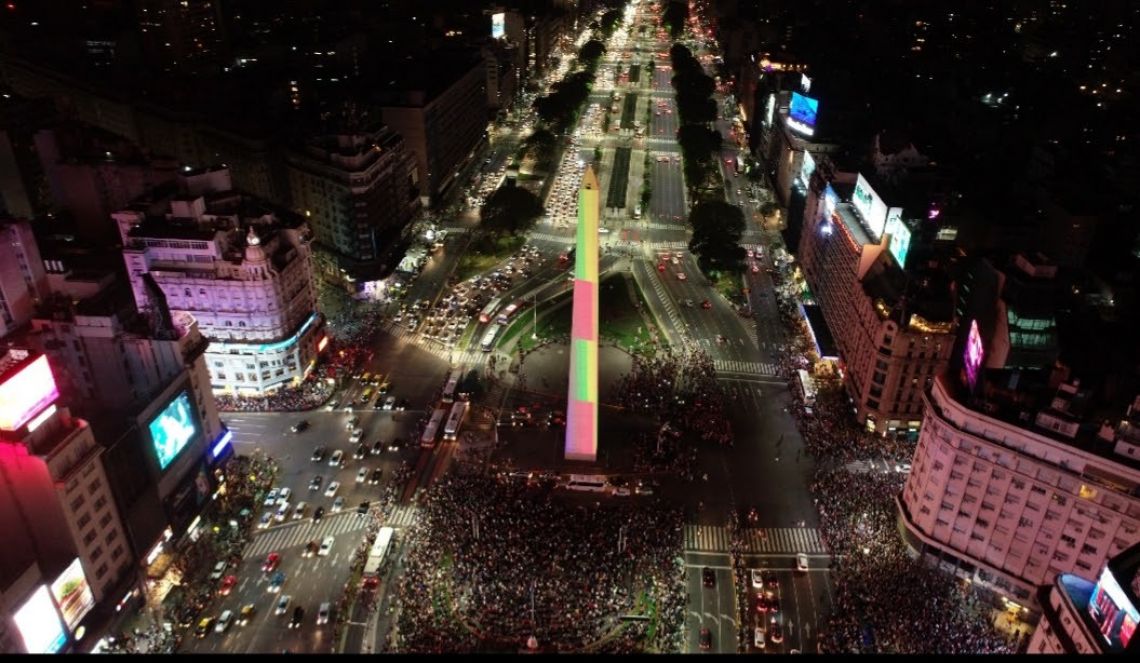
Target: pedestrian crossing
299, 533
745, 367
403, 515
756, 541
435, 346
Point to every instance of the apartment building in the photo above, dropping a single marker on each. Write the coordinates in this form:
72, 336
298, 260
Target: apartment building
23, 281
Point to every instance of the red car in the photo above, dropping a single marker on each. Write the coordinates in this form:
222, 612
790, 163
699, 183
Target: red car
271, 562
227, 585
706, 304
661, 267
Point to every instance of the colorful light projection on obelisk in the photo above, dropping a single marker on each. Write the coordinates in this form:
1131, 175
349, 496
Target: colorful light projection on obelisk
582, 401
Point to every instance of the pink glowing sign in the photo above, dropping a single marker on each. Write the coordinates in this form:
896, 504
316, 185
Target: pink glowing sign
974, 354
26, 393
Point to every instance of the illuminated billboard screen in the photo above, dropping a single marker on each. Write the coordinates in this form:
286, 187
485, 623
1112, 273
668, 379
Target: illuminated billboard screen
1113, 612
39, 624
73, 594
807, 168
26, 394
974, 354
830, 201
770, 110
870, 207
801, 114
900, 235
172, 429
498, 25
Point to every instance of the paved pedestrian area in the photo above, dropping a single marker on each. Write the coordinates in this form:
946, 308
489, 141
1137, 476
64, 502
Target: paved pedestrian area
772, 540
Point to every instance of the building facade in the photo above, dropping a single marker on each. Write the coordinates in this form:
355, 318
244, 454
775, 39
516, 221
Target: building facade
239, 268
1011, 498
23, 281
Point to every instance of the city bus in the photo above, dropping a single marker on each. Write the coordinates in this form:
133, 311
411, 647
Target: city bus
455, 420
807, 387
489, 309
377, 555
588, 482
452, 385
507, 313
431, 431
489, 337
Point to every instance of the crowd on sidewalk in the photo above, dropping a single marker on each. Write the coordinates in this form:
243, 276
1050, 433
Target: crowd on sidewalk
493, 562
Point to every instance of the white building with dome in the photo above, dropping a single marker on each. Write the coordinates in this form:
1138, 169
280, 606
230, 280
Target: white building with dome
240, 267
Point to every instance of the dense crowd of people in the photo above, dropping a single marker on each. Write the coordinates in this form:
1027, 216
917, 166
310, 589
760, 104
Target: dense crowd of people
493, 561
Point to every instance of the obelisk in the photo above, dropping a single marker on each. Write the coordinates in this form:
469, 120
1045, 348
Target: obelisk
582, 399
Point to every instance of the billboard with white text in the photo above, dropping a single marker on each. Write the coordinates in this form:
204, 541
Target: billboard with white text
900, 235
870, 207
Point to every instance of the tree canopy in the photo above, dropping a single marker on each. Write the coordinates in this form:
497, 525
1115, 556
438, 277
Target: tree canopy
717, 229
510, 209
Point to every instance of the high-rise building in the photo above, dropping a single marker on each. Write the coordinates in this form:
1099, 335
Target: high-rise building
1014, 482
23, 189
57, 507
23, 281
360, 192
241, 268
182, 35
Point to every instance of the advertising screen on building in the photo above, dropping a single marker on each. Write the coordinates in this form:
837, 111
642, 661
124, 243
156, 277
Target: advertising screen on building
807, 168
830, 201
73, 594
900, 235
172, 429
870, 207
802, 114
974, 354
39, 624
1113, 612
26, 394
498, 25
770, 110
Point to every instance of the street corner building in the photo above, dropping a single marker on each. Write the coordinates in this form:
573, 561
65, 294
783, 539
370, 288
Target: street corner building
582, 398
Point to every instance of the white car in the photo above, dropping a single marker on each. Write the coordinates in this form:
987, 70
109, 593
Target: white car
271, 498
283, 496
801, 562
224, 621
333, 486
326, 546
361, 475
338, 504
282, 605
758, 637
757, 579
389, 402
323, 613
219, 571
357, 434
337, 459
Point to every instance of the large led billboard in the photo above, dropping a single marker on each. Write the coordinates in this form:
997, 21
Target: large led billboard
830, 201
802, 114
172, 429
807, 168
770, 110
73, 594
900, 235
39, 624
26, 393
974, 353
498, 25
870, 207
1114, 614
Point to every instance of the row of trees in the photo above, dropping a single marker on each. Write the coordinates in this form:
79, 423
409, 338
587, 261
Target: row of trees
675, 14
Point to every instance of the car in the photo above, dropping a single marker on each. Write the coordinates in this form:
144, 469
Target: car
706, 304
643, 487
356, 435
363, 507
661, 267
377, 447
326, 546
323, 613
401, 405
282, 512
361, 452
362, 475
283, 496
247, 612
389, 402
276, 582
336, 459
298, 617
227, 585
384, 387
272, 561
338, 504
755, 269
301, 426
319, 454
757, 579
708, 578
219, 571
758, 637
299, 510
681, 276
315, 484
332, 405
351, 422
271, 498
204, 627
318, 514
374, 477
266, 520
706, 638
395, 444
775, 633
332, 488
282, 604
801, 563
310, 548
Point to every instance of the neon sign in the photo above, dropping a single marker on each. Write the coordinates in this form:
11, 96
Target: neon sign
26, 394
974, 354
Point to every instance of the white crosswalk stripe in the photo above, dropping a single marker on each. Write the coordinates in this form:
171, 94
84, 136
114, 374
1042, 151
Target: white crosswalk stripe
745, 367
772, 540
301, 532
402, 516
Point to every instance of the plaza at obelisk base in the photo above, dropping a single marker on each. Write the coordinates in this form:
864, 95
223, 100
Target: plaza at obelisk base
582, 399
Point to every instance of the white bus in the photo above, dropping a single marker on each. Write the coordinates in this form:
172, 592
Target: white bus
431, 431
594, 483
512, 308
489, 309
489, 337
452, 384
807, 387
377, 555
455, 420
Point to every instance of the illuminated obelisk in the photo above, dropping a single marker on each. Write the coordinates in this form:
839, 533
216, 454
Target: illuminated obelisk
582, 400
